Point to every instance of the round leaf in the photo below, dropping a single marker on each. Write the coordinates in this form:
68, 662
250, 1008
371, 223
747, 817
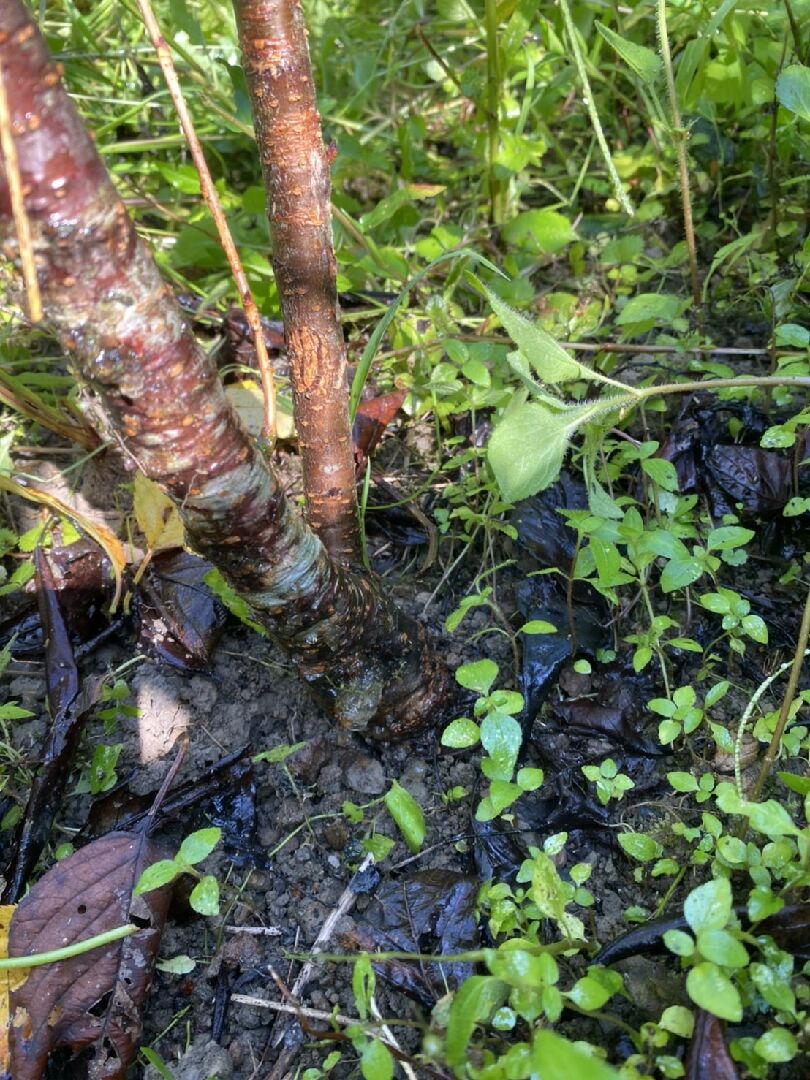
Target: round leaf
722, 948
460, 733
777, 1045
713, 991
205, 896
708, 907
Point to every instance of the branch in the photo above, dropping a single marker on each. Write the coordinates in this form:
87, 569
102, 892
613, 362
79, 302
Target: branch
295, 164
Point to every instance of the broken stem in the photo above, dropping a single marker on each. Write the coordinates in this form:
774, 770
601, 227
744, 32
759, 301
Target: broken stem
209, 193
21, 224
772, 752
16, 963
679, 136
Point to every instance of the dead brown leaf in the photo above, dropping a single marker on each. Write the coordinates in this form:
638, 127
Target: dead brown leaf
90, 1002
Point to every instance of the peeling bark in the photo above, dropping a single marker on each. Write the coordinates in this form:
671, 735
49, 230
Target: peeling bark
275, 57
161, 397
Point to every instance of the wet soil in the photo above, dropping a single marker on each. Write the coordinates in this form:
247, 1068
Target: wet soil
291, 850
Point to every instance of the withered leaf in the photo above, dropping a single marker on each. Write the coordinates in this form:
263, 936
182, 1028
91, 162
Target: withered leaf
156, 515
91, 1002
180, 618
431, 911
372, 418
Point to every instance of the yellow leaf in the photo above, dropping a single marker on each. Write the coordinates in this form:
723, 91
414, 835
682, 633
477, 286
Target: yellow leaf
246, 397
100, 533
157, 516
9, 980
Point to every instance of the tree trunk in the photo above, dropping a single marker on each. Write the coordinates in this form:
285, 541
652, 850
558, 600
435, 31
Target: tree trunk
294, 161
161, 399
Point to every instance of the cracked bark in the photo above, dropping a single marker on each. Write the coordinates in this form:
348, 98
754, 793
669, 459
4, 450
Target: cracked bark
275, 57
160, 395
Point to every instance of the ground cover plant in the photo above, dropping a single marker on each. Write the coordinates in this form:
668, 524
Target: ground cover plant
571, 255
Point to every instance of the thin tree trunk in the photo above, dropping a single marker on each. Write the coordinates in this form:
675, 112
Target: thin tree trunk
295, 164
161, 399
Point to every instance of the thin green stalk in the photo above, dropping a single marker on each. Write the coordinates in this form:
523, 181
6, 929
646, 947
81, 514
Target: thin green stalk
362, 509
743, 724
496, 208
798, 659
645, 593
15, 963
796, 31
679, 134
579, 62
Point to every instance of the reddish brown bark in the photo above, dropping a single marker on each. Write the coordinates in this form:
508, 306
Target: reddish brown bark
273, 37
159, 395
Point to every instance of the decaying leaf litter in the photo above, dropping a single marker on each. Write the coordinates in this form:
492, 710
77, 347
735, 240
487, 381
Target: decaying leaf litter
575, 717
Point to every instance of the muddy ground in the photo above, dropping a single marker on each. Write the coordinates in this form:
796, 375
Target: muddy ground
290, 853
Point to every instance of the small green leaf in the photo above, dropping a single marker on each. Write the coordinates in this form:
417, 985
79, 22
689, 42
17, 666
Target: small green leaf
762, 903
777, 1045
680, 573
376, 1062
643, 61
461, 733
199, 845
657, 309
538, 626
773, 987
717, 692
548, 358
177, 965
722, 948
708, 907
501, 736
727, 537
378, 846
678, 1020
158, 874
756, 629
527, 447
662, 472
555, 1058
278, 753
478, 676
712, 990
476, 999
679, 942
205, 896
770, 818
364, 982
407, 814
543, 232
793, 90
682, 781
799, 784
587, 993
640, 847
529, 779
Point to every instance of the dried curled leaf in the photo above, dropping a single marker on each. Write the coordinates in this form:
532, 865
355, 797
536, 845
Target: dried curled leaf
102, 535
156, 515
91, 1001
